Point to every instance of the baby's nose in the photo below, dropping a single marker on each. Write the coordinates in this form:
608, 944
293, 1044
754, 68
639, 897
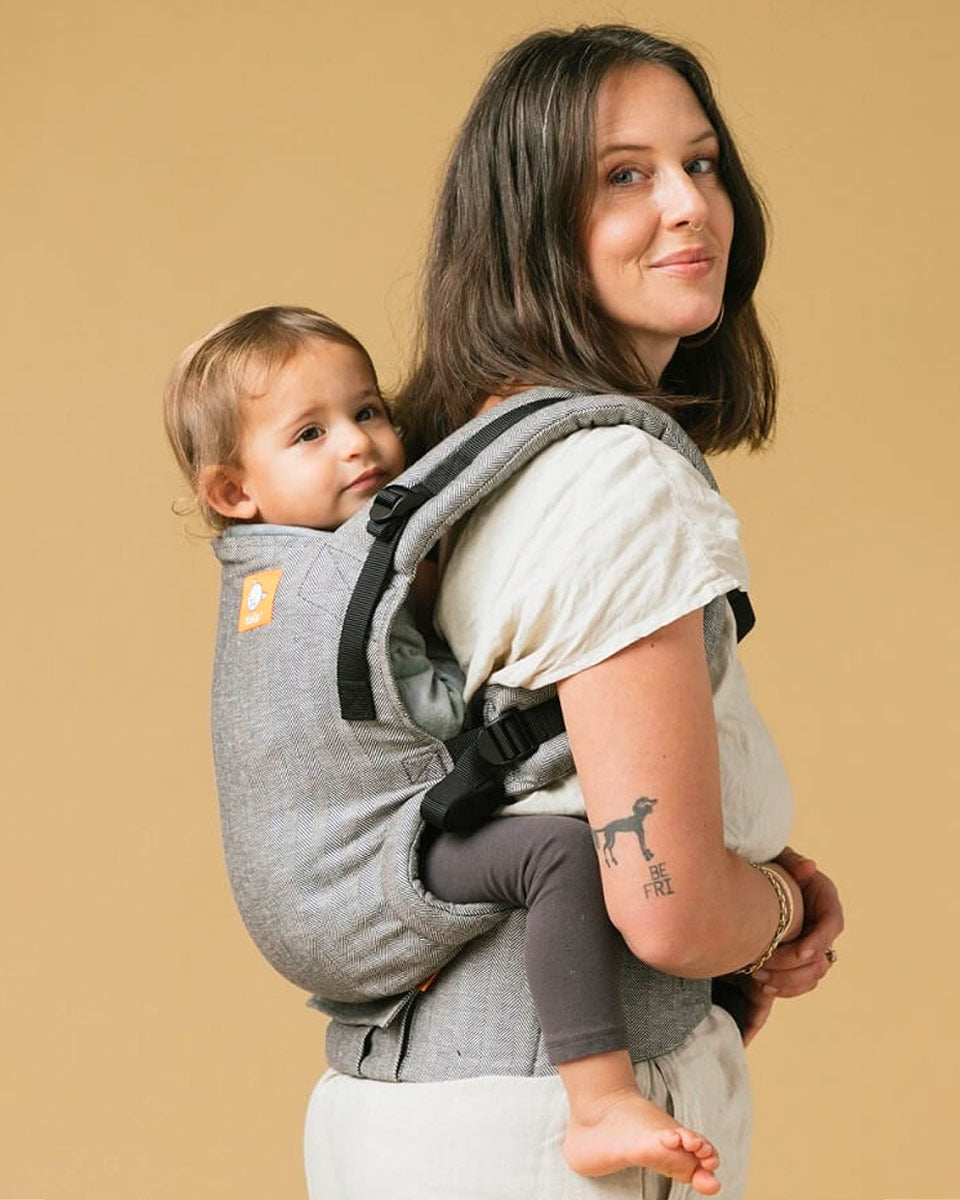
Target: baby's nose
354, 440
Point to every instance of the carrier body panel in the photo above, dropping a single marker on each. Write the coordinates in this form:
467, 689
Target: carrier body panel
320, 814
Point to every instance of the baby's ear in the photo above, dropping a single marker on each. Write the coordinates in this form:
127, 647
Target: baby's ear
222, 488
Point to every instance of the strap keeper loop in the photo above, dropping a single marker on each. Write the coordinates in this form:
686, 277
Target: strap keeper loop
506, 741
391, 507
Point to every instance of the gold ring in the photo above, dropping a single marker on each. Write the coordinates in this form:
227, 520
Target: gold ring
831, 954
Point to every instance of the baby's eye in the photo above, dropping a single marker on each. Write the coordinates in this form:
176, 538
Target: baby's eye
309, 434
703, 166
369, 412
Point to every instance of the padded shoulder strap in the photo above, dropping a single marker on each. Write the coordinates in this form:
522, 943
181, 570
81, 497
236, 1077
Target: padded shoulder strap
486, 451
392, 508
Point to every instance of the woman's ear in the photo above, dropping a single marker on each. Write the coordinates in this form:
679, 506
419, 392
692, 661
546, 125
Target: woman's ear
223, 489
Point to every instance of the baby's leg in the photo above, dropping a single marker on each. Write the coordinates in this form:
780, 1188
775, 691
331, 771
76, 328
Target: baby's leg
548, 865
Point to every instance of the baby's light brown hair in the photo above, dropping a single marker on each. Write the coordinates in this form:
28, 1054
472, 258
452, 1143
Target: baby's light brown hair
214, 376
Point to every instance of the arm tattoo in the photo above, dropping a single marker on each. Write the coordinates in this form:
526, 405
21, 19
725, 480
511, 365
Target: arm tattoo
642, 808
659, 884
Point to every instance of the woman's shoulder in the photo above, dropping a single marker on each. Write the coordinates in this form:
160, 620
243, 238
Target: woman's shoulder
605, 481
598, 453
597, 541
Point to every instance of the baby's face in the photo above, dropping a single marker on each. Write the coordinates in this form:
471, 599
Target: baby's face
318, 443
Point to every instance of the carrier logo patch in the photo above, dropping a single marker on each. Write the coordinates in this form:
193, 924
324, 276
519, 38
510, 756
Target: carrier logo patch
256, 600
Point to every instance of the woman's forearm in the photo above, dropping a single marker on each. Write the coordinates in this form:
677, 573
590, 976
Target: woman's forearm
642, 731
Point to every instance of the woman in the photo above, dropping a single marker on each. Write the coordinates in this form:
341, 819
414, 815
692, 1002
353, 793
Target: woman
597, 233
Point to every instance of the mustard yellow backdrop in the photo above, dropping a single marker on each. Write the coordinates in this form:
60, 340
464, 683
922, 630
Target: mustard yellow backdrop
168, 165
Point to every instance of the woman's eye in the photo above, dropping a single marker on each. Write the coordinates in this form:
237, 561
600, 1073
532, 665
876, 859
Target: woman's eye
702, 166
310, 434
625, 175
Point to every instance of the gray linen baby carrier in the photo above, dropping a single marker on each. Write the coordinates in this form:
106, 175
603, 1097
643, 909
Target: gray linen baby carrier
321, 772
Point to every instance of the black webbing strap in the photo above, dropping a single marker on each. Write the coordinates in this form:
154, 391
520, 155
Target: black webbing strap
392, 508
473, 790
743, 612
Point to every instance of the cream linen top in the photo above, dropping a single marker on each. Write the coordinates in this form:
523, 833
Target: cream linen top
602, 538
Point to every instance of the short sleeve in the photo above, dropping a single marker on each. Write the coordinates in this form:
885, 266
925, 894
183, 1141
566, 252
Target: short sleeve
601, 539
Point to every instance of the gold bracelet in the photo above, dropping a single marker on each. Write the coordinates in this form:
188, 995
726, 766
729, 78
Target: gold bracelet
785, 900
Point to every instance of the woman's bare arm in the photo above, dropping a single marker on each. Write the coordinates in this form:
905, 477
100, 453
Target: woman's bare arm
642, 731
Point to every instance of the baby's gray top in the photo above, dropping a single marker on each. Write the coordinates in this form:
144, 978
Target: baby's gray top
429, 678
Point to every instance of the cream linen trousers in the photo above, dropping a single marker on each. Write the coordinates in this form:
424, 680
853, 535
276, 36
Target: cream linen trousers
499, 1137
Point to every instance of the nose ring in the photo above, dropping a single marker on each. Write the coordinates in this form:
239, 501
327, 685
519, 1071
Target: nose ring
696, 228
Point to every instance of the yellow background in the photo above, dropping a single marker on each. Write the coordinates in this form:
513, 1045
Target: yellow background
168, 165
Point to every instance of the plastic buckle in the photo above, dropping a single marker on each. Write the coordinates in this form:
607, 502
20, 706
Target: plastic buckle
461, 812
391, 506
506, 741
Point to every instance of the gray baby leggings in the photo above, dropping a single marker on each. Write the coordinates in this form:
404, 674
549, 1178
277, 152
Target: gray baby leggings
547, 865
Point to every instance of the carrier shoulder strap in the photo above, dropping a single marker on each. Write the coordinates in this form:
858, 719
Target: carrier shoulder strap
470, 793
392, 508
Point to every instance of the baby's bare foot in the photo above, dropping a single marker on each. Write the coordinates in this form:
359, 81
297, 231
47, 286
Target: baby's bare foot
628, 1131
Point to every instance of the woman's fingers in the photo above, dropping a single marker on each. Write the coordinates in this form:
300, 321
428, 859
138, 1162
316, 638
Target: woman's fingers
797, 968
799, 866
761, 1005
823, 921
794, 982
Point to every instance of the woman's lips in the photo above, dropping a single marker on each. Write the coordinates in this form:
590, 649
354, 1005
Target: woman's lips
690, 270
686, 263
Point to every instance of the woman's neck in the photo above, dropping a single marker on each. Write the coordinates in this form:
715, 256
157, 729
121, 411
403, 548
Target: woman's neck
655, 359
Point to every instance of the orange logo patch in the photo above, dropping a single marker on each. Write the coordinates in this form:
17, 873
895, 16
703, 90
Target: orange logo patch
256, 600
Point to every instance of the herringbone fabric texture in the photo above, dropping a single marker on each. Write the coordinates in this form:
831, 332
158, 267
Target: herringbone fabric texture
321, 815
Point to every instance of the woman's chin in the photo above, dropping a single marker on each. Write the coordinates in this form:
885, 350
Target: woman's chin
698, 325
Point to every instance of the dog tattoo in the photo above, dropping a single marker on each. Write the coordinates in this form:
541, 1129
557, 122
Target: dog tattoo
642, 808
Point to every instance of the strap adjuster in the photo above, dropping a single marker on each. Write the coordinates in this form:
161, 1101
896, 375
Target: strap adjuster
391, 507
472, 792
506, 741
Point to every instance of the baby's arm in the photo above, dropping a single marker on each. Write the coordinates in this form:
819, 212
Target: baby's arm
430, 683
426, 581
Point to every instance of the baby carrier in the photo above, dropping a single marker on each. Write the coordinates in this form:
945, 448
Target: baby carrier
324, 779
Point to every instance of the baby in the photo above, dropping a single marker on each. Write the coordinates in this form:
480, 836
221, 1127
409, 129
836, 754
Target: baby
276, 417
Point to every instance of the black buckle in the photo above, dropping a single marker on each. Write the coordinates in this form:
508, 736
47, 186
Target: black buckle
391, 507
462, 812
506, 741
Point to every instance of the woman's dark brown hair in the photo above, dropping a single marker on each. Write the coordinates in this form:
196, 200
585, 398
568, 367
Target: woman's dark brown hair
507, 299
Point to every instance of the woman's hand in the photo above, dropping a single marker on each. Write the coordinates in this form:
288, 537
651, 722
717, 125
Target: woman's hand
759, 1004
798, 967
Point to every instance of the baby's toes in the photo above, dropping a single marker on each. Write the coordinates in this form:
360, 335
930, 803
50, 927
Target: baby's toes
705, 1182
692, 1141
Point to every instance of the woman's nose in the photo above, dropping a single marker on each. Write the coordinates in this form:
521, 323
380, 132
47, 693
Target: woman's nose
681, 201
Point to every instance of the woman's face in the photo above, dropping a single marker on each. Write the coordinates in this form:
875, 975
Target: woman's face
658, 233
